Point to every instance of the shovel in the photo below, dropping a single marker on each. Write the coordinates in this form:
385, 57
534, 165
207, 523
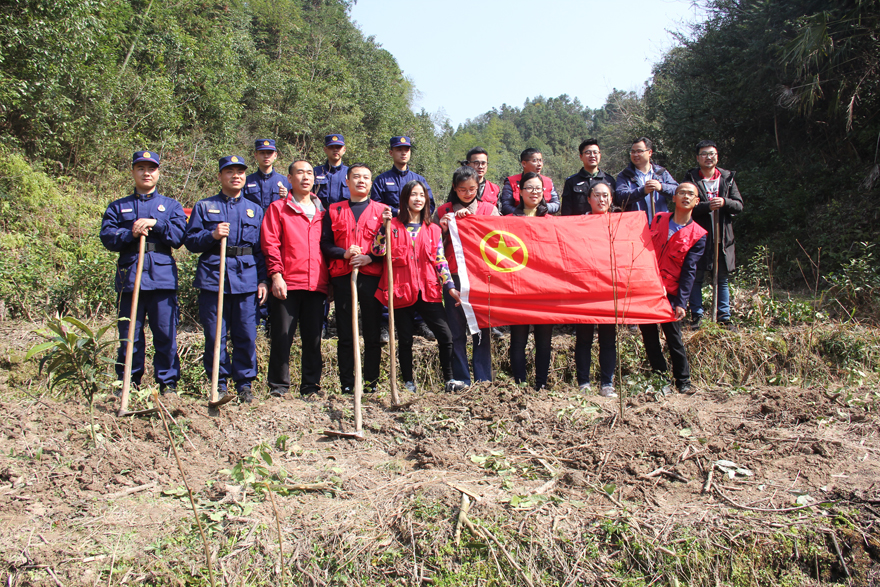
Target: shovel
129, 350
392, 342
215, 369
717, 225
358, 433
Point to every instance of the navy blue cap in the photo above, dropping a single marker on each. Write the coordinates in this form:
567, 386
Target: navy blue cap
151, 156
264, 145
401, 142
232, 160
331, 140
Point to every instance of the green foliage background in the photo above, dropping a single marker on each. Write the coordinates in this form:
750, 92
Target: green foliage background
788, 89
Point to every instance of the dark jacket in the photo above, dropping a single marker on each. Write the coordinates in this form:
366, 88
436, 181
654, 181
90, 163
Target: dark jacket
733, 205
630, 196
576, 191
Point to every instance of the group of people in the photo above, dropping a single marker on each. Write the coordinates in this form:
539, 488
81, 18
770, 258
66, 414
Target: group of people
288, 239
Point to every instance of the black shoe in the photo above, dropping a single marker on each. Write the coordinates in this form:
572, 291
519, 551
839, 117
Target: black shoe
325, 333
728, 325
383, 335
686, 389
497, 333
278, 393
696, 321
168, 390
348, 390
245, 395
425, 332
409, 386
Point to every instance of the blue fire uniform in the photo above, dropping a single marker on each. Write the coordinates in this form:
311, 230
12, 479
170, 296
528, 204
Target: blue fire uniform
263, 188
245, 270
387, 187
331, 183
158, 297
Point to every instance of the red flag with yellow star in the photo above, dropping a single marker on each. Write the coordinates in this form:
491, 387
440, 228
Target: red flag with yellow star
594, 269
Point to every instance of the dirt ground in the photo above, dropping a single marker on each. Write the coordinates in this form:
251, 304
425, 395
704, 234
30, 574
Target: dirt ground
73, 514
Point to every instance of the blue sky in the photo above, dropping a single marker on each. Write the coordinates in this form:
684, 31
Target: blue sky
467, 57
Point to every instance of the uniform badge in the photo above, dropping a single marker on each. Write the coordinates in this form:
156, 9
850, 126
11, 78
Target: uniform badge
250, 213
335, 138
389, 182
403, 140
161, 208
147, 155
252, 185
234, 159
266, 143
213, 211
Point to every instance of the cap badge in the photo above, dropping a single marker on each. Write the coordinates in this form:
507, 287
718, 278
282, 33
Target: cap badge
266, 143
403, 139
335, 138
147, 155
250, 213
234, 159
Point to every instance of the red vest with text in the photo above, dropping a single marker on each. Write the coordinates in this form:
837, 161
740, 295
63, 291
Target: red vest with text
484, 208
413, 264
490, 192
671, 252
514, 185
347, 232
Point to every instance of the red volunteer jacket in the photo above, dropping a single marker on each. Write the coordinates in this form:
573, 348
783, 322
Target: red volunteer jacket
484, 208
292, 245
671, 253
491, 192
347, 232
413, 264
514, 185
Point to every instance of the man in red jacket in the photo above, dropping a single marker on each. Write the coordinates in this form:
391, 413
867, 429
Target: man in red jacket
487, 191
291, 243
679, 243
349, 228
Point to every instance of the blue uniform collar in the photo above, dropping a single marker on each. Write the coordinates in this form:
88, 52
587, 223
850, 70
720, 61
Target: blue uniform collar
331, 168
266, 175
145, 197
398, 172
229, 199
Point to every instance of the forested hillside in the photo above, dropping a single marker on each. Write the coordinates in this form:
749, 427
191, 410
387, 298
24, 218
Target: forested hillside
789, 90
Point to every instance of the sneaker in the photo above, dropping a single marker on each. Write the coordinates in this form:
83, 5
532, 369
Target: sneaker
245, 395
696, 321
584, 388
425, 332
633, 328
454, 386
325, 333
409, 386
686, 389
169, 390
383, 335
607, 390
347, 390
497, 333
667, 390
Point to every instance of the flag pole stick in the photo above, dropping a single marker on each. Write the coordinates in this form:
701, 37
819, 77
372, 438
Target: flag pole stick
491, 342
616, 314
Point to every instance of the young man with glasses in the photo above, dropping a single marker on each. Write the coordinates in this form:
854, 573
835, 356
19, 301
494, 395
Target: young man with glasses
577, 188
644, 185
720, 201
478, 158
532, 162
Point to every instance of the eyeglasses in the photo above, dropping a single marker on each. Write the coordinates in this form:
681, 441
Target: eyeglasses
534, 189
536, 161
639, 152
465, 190
478, 163
708, 155
591, 153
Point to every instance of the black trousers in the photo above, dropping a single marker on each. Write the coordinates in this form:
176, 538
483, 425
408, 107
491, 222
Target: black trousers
583, 356
371, 322
405, 322
678, 354
519, 337
305, 308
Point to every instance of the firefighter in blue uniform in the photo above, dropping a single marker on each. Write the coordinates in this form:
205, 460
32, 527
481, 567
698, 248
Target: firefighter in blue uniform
387, 186
147, 212
265, 185
331, 184
231, 215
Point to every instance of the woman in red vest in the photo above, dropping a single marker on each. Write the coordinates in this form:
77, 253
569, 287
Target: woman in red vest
464, 200
531, 204
601, 202
420, 271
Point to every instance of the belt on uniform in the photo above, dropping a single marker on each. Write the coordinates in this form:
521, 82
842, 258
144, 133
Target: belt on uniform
150, 248
239, 251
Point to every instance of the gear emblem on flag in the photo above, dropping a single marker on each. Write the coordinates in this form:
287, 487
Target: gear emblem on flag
504, 251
